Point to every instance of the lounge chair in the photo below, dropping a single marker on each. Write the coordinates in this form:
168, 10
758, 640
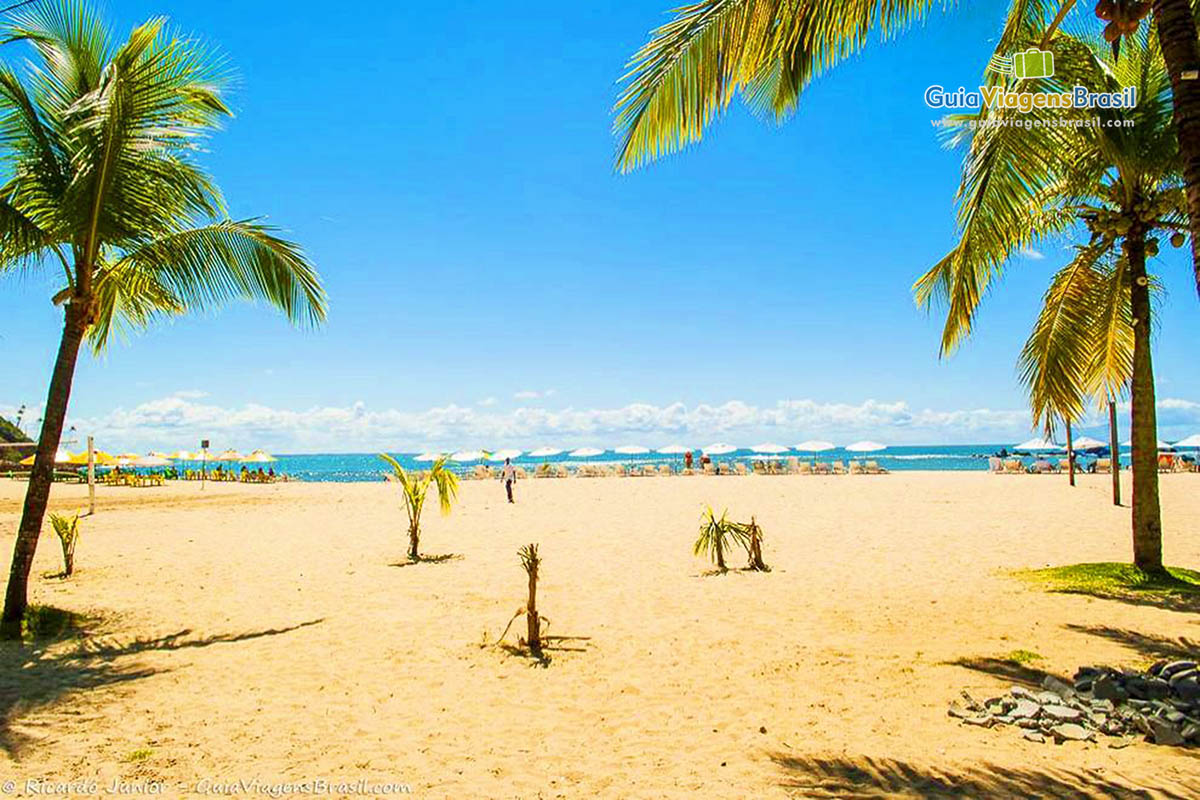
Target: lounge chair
873, 468
839, 468
710, 468
793, 465
805, 468
823, 468
664, 469
740, 468
1014, 467
857, 468
995, 464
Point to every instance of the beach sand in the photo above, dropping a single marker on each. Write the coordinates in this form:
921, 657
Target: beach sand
269, 632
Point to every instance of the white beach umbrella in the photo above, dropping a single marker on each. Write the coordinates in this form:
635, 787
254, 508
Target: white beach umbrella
1088, 443
228, 455
151, 461
1190, 443
500, 455
866, 446
1038, 444
544, 452
1161, 444
468, 455
585, 452
719, 449
815, 446
260, 457
673, 450
631, 450
770, 448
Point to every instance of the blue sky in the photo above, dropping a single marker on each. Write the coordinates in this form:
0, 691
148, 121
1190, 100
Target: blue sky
449, 168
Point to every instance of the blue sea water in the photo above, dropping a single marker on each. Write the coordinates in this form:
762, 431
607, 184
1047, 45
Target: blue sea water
348, 467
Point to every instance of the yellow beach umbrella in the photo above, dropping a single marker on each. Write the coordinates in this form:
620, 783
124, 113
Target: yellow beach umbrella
61, 457
184, 455
259, 457
229, 455
99, 458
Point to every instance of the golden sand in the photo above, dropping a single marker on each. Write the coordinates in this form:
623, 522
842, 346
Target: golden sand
269, 632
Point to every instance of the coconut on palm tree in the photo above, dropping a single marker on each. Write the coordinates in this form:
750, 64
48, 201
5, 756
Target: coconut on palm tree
1057, 176
767, 51
101, 186
414, 487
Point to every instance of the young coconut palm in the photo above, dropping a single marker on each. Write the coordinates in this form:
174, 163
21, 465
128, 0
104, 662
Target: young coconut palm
100, 184
1116, 184
67, 530
768, 51
716, 536
414, 486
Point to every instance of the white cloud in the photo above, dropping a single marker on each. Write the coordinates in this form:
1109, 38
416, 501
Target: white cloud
487, 401
191, 394
527, 394
180, 422
1030, 253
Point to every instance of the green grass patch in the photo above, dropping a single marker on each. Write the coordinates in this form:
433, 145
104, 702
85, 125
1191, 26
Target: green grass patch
141, 754
1110, 579
48, 622
1022, 657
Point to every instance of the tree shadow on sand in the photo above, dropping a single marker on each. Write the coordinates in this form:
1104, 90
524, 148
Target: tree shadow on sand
1007, 670
1147, 644
866, 777
35, 676
437, 558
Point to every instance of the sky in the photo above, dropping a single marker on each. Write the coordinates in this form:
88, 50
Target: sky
493, 282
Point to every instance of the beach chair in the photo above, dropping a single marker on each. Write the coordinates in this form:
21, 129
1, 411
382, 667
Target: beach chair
805, 468
793, 465
995, 464
620, 471
740, 468
664, 469
857, 468
823, 468
760, 468
873, 468
710, 469
1014, 467
1104, 465
839, 468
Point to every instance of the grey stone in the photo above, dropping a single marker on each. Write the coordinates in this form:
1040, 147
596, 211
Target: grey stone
1188, 689
1049, 698
1165, 733
1062, 713
1103, 705
1157, 689
1060, 688
1174, 717
1191, 733
1025, 709
957, 712
1028, 723
1034, 736
1105, 688
1022, 693
1182, 675
1072, 732
1175, 667
986, 721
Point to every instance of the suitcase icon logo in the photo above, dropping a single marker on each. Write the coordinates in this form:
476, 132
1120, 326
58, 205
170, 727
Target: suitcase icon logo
1032, 63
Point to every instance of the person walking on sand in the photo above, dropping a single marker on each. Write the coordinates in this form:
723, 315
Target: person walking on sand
509, 474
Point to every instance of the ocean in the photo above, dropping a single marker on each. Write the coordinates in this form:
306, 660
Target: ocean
350, 467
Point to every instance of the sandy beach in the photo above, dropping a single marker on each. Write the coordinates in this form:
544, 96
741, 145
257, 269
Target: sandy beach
269, 632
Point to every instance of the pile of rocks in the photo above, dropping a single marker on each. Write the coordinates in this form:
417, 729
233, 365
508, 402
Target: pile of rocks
1161, 704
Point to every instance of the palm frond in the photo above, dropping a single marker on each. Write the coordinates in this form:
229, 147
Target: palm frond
687, 74
211, 265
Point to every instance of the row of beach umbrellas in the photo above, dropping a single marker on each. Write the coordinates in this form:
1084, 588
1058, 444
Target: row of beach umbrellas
152, 459
716, 449
1085, 443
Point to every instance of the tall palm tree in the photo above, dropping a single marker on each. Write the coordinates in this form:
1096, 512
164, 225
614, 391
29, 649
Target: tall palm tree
1118, 183
414, 487
768, 51
100, 183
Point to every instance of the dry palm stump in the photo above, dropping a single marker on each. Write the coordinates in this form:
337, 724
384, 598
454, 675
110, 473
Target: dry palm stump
1161, 705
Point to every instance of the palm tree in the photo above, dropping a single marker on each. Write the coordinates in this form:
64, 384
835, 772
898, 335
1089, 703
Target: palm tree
716, 536
1121, 185
768, 51
98, 141
414, 487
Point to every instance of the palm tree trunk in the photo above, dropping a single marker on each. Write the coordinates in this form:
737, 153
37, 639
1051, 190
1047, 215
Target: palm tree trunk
1147, 518
1070, 456
533, 627
1114, 452
414, 541
1181, 51
42, 476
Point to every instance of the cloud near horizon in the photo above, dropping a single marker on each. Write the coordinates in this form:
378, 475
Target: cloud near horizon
179, 421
